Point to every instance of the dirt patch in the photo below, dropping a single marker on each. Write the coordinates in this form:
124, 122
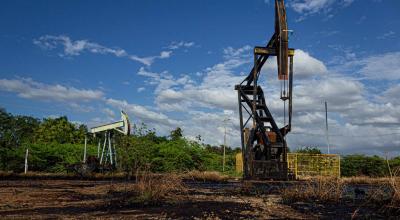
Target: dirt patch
83, 199
92, 199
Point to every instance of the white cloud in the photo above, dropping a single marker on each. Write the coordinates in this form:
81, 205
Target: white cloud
304, 65
382, 66
110, 113
357, 119
163, 80
141, 89
310, 7
75, 48
176, 45
386, 35
215, 90
142, 113
352, 113
30, 89
361, 19
391, 95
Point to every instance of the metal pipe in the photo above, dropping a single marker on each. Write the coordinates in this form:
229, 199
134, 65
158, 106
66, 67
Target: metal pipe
84, 151
104, 145
326, 124
290, 91
109, 148
26, 160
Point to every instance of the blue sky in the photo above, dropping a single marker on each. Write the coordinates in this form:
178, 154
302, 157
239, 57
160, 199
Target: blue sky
174, 63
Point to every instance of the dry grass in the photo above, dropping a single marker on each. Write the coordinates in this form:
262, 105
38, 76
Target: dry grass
205, 176
386, 198
366, 180
321, 189
152, 189
43, 175
395, 186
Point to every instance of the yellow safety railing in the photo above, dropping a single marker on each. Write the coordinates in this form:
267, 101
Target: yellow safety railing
304, 165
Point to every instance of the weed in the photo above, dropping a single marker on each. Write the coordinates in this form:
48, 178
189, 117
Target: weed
206, 176
321, 189
152, 189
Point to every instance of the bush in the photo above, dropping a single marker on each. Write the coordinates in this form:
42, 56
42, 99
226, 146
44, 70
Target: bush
205, 176
322, 189
152, 189
361, 165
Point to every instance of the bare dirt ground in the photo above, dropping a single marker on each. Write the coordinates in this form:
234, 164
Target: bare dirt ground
78, 199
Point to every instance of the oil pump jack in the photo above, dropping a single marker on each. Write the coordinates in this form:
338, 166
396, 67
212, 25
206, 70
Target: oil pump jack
264, 146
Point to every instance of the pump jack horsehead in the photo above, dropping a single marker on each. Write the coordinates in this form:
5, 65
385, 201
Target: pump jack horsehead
108, 152
264, 146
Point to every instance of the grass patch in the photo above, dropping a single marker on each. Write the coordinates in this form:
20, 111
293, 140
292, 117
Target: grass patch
153, 189
205, 176
316, 189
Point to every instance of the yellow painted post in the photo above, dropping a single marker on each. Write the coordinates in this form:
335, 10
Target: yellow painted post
295, 167
339, 165
239, 163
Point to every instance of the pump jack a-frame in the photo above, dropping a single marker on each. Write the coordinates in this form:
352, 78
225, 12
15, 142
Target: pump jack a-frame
264, 146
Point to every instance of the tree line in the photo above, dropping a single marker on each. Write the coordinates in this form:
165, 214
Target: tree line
56, 143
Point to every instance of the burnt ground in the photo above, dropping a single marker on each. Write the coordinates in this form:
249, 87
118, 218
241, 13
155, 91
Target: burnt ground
37, 199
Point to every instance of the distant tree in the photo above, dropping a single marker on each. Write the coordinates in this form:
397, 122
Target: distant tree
176, 134
395, 164
361, 165
24, 129
308, 150
15, 130
198, 138
59, 130
7, 138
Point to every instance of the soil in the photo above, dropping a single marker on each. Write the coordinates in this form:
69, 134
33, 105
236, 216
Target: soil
86, 199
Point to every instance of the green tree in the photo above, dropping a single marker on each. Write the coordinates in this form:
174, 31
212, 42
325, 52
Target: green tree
14, 131
361, 165
395, 164
176, 134
59, 130
308, 150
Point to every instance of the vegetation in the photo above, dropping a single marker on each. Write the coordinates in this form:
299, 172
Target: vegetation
320, 189
152, 189
308, 150
361, 165
205, 176
55, 143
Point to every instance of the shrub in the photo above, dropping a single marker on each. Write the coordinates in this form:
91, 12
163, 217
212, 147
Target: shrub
205, 176
321, 189
152, 189
361, 165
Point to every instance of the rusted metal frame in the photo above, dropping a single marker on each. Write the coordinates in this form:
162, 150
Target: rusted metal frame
247, 121
260, 125
271, 51
250, 114
241, 132
282, 39
249, 151
261, 61
254, 101
272, 121
290, 91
